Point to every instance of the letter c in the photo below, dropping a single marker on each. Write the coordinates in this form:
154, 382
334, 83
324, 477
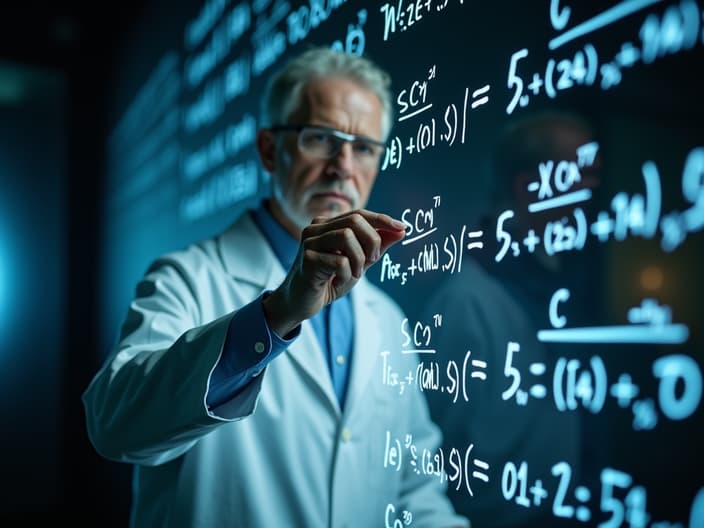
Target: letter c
559, 18
397, 522
561, 295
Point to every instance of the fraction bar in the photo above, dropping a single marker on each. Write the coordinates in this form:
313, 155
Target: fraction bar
418, 351
671, 334
622, 10
565, 199
422, 235
408, 116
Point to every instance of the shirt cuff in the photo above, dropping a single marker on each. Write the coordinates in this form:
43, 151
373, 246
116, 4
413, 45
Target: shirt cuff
250, 345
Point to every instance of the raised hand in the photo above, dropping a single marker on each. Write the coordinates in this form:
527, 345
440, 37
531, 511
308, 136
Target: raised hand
333, 255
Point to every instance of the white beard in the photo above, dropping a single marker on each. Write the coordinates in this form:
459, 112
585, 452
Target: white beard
297, 212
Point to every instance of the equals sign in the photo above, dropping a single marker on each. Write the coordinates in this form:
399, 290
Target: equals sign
478, 474
480, 364
479, 93
472, 235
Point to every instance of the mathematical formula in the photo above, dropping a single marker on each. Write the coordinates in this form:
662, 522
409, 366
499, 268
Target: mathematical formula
620, 498
675, 29
458, 466
634, 215
448, 128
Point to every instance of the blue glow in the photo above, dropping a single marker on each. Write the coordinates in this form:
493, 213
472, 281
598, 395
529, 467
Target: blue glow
3, 279
609, 16
665, 334
4, 283
696, 517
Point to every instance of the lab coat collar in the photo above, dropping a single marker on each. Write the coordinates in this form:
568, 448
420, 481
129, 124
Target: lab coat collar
247, 256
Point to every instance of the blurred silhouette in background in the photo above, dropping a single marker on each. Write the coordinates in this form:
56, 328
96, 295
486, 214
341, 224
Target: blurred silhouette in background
491, 312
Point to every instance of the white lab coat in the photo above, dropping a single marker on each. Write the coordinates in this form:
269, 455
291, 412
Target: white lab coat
279, 454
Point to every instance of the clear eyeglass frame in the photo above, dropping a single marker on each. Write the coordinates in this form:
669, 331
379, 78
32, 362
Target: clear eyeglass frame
325, 143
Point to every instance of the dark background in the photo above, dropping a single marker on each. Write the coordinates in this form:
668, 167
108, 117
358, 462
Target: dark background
68, 73
55, 59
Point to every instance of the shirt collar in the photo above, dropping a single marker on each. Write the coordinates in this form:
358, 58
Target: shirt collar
284, 245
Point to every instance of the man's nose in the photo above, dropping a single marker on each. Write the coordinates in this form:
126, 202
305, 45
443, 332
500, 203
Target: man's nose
343, 163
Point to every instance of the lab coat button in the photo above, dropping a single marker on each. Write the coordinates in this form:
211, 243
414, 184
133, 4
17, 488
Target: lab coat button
346, 435
259, 347
340, 359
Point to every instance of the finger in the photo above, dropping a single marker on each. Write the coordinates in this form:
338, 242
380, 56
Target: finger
320, 219
382, 221
323, 266
376, 220
340, 241
344, 279
389, 238
353, 225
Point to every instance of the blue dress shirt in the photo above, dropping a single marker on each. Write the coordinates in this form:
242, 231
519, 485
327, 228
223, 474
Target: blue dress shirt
241, 361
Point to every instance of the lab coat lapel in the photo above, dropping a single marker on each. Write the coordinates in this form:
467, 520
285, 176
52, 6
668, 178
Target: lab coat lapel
248, 257
367, 343
307, 354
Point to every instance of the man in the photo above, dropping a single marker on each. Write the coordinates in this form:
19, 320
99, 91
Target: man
246, 386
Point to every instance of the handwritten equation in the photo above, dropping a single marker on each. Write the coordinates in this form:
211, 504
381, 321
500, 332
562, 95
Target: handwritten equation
675, 29
558, 188
620, 499
445, 256
636, 214
401, 16
449, 127
458, 466
428, 375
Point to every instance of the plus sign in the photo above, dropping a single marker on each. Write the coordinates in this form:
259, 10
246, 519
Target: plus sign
603, 227
531, 241
535, 85
409, 378
624, 391
411, 147
539, 492
413, 267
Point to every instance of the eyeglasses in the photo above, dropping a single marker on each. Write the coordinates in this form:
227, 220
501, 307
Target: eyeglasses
325, 143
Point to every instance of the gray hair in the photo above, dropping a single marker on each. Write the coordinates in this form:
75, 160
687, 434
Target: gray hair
283, 92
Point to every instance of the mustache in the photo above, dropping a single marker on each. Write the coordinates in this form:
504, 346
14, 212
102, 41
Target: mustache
345, 188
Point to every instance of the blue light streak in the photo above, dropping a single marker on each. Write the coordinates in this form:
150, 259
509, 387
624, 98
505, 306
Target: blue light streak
4, 285
2, 282
671, 334
609, 16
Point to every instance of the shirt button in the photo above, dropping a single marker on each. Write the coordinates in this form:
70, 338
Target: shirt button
259, 347
340, 359
346, 435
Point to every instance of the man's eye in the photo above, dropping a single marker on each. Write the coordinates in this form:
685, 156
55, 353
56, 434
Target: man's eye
363, 148
317, 137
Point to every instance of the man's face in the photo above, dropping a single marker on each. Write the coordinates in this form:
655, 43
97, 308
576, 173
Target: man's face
304, 186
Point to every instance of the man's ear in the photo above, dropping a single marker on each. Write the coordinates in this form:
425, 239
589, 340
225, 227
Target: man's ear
266, 146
